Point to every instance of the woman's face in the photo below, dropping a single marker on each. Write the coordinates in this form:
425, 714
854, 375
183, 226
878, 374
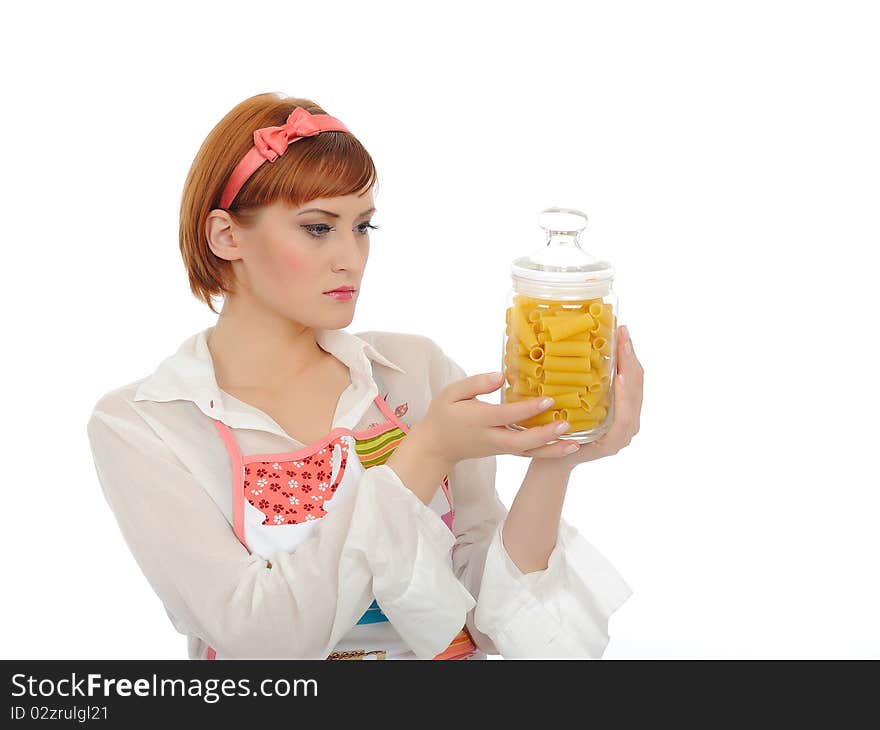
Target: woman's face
293, 256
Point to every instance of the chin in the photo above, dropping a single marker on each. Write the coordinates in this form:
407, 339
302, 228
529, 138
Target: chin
340, 321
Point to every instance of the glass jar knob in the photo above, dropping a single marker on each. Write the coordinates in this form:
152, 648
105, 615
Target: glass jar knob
562, 223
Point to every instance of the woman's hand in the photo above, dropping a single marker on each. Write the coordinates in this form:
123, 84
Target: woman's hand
458, 426
628, 389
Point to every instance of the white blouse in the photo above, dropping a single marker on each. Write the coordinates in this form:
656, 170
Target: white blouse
165, 473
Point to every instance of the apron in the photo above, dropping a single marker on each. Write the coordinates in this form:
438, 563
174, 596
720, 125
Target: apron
277, 499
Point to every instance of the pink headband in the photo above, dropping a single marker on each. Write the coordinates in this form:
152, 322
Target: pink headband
271, 142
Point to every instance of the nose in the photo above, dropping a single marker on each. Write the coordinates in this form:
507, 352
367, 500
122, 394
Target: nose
352, 252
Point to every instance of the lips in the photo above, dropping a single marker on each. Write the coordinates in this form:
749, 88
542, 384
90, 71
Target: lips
340, 289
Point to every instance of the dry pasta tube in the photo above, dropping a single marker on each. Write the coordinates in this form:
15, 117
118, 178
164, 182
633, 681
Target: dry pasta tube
582, 414
524, 302
522, 387
595, 308
602, 346
522, 328
596, 383
550, 389
568, 364
561, 327
525, 366
568, 348
603, 312
534, 315
597, 360
539, 420
580, 336
536, 354
581, 426
515, 347
590, 400
603, 330
561, 377
511, 396
566, 400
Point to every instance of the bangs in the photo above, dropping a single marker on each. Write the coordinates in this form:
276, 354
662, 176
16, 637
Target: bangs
327, 165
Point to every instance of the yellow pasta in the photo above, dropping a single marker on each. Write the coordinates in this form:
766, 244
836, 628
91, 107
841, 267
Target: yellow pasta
564, 377
561, 327
552, 389
568, 348
560, 349
541, 418
581, 426
522, 328
568, 364
526, 366
566, 400
522, 386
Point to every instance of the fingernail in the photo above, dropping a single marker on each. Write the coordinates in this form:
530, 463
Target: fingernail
546, 403
561, 427
496, 376
570, 449
624, 330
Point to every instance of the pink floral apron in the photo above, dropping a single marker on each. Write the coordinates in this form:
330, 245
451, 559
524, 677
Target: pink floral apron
277, 500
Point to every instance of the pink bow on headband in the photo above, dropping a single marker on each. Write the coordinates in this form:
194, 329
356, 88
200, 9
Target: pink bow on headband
272, 142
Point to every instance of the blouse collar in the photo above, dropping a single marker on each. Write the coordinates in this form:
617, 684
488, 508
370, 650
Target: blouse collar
189, 375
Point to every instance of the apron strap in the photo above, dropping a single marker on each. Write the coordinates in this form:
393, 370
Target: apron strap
383, 406
237, 478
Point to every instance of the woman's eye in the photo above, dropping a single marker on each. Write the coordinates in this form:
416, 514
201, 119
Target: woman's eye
316, 229
319, 229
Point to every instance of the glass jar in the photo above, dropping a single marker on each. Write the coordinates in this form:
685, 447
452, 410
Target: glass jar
560, 338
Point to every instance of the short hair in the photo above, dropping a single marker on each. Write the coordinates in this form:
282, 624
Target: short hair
325, 165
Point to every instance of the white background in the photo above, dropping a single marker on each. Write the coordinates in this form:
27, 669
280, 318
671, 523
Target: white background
727, 155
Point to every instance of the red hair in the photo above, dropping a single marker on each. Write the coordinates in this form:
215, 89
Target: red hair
326, 165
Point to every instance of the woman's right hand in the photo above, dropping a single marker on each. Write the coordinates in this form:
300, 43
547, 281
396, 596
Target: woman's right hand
458, 426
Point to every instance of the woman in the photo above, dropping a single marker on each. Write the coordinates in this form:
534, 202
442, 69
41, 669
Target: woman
291, 490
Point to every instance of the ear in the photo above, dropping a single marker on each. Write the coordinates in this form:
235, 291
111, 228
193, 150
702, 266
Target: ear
220, 235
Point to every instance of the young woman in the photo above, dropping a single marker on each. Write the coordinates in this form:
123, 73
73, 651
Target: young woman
292, 490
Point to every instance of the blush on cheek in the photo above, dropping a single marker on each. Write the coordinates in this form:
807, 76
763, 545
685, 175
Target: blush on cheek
296, 267
295, 262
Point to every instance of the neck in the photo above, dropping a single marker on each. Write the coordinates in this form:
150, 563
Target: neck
258, 351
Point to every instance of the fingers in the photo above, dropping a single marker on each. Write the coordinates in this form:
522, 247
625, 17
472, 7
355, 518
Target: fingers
556, 450
518, 410
634, 374
495, 415
474, 385
627, 362
519, 442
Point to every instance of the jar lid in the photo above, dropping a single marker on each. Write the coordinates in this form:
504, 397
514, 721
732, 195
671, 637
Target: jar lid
561, 268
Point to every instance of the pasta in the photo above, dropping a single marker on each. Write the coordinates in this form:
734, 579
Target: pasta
560, 349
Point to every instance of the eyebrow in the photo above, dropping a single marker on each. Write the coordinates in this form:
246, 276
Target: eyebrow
331, 213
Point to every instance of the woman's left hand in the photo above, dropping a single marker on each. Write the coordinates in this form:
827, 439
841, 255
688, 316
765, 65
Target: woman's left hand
628, 388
